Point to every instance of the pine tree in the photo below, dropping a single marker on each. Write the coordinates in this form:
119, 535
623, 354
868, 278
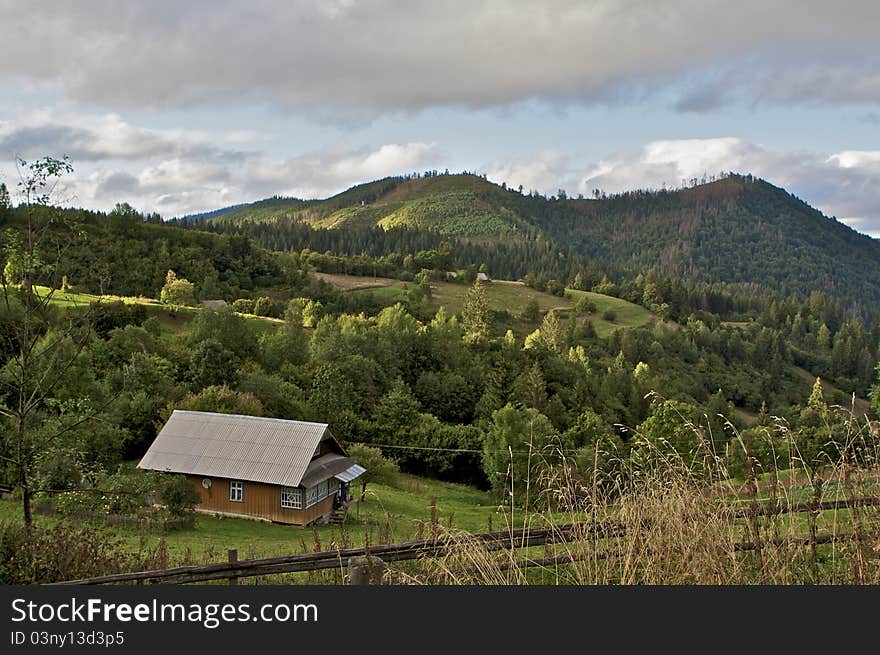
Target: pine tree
553, 332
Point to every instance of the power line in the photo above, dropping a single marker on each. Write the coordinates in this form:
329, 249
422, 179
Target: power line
464, 450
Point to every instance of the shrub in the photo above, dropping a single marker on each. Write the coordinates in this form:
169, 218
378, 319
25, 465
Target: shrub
609, 315
264, 306
179, 495
585, 306
243, 306
122, 493
106, 316
379, 468
531, 312
39, 555
177, 291
58, 469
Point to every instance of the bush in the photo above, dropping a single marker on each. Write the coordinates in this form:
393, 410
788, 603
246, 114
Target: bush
531, 312
379, 468
609, 315
177, 291
555, 287
106, 316
585, 306
58, 469
179, 495
264, 306
39, 555
243, 306
122, 493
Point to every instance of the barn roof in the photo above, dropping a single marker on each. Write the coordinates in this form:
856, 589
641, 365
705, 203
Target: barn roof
270, 450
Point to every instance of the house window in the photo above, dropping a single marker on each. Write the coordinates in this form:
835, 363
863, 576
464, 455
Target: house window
291, 498
311, 496
236, 490
317, 493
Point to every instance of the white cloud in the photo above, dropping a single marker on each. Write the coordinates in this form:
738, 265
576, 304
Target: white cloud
193, 180
543, 171
346, 58
856, 159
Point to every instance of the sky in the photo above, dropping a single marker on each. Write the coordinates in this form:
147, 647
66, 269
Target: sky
187, 107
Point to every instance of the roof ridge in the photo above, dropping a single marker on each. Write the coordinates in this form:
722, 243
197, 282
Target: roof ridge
258, 418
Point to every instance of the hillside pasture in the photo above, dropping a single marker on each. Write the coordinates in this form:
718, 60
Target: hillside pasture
355, 282
503, 296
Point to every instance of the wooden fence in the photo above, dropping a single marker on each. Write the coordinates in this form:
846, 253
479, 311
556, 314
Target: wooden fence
499, 540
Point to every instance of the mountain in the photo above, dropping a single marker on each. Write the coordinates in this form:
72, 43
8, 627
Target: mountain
460, 205
267, 209
738, 229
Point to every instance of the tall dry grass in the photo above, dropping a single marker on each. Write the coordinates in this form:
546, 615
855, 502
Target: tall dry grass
684, 520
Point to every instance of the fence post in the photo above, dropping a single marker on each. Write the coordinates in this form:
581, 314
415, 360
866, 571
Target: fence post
233, 558
365, 569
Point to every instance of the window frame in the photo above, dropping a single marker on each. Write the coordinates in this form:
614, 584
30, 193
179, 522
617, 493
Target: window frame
291, 498
317, 493
236, 491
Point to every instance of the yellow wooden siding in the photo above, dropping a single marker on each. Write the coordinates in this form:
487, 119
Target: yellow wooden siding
261, 500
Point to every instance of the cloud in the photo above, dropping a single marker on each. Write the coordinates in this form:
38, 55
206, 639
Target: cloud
546, 170
190, 184
329, 171
347, 58
108, 137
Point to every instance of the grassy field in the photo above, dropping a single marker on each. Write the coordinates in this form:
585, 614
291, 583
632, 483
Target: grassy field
393, 514
172, 320
73, 299
503, 296
354, 282
686, 534
627, 314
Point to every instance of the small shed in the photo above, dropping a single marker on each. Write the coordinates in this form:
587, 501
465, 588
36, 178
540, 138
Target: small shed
483, 277
279, 470
214, 304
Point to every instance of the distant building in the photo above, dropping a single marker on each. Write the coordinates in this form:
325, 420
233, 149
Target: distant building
284, 471
214, 304
483, 277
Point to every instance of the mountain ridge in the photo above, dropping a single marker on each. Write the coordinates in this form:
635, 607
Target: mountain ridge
737, 229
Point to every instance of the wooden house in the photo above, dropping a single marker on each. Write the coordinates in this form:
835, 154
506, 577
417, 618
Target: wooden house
278, 470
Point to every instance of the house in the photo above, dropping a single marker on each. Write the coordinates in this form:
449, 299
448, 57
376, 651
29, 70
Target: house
214, 304
483, 277
273, 469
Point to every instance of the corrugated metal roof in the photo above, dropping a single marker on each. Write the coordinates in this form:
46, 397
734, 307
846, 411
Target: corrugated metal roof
352, 472
324, 468
270, 450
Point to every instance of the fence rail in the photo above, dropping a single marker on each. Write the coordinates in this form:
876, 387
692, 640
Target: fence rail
498, 540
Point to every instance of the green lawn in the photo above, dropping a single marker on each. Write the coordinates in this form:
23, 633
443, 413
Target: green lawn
394, 514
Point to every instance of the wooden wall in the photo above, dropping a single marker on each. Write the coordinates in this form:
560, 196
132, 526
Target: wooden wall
262, 500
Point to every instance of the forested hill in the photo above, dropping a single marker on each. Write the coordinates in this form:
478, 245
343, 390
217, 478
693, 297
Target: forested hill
460, 205
737, 229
